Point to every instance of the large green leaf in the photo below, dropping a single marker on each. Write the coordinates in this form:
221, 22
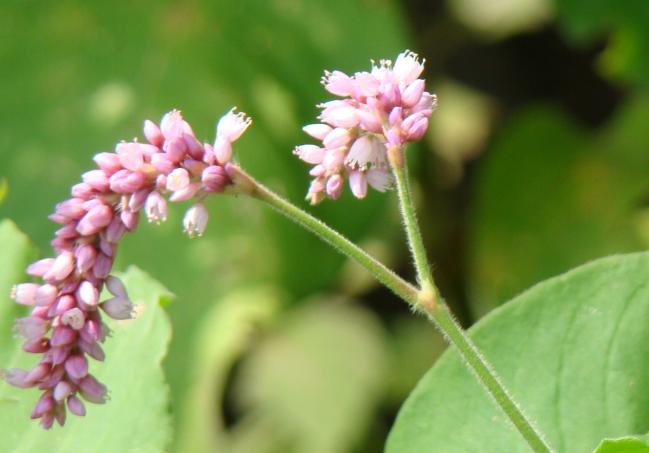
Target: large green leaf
136, 418
551, 197
623, 445
572, 350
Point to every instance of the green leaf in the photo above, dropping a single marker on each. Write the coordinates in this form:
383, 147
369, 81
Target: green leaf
623, 445
545, 206
135, 419
572, 351
314, 382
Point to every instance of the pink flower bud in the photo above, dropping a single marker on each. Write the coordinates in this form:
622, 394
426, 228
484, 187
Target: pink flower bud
95, 220
335, 186
108, 162
177, 179
116, 287
25, 293
31, 328
45, 404
152, 133
58, 356
186, 193
136, 201
344, 116
222, 150
366, 84
36, 347
76, 366
92, 390
81, 190
412, 94
40, 267
62, 267
162, 163
195, 220
46, 294
62, 390
337, 138
369, 121
96, 179
175, 149
87, 294
73, 318
76, 406
214, 178
194, 147
358, 183
102, 267
115, 230
171, 125
71, 209
92, 349
317, 131
15, 377
129, 219
38, 373
119, 308
62, 336
311, 154
85, 256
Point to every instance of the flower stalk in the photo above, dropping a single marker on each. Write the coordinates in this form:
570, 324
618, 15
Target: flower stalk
433, 306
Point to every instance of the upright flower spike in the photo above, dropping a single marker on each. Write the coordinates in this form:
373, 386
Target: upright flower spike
386, 106
65, 326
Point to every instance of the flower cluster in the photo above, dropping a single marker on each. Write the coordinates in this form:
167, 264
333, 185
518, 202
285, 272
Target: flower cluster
65, 325
383, 107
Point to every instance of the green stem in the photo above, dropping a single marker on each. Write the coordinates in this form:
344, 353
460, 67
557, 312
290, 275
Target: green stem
438, 312
246, 184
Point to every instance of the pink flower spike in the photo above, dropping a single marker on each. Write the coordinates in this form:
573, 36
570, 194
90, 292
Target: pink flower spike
195, 220
152, 133
232, 125
76, 366
118, 307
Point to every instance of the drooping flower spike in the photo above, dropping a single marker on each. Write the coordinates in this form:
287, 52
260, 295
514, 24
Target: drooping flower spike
65, 325
386, 106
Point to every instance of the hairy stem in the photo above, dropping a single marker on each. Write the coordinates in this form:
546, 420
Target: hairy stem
438, 312
246, 184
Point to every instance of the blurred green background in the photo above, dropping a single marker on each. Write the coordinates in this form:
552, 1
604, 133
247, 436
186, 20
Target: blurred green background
536, 161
